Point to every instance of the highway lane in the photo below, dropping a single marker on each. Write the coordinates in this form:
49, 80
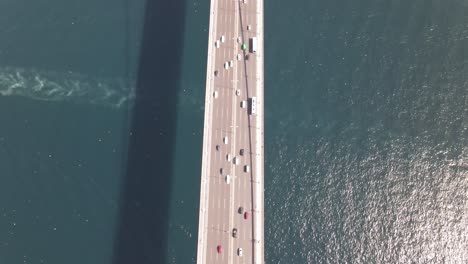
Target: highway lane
226, 119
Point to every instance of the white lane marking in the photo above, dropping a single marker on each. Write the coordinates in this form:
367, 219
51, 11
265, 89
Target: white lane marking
234, 134
211, 254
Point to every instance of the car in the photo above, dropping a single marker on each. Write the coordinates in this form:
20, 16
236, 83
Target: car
246, 215
231, 64
228, 157
239, 252
221, 171
249, 27
223, 38
240, 210
216, 73
215, 94
228, 180
246, 168
243, 104
226, 65
219, 248
239, 56
226, 140
217, 44
238, 92
234, 232
236, 160
239, 39
217, 147
241, 152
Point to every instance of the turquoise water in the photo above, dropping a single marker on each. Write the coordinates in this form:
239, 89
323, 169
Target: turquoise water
366, 131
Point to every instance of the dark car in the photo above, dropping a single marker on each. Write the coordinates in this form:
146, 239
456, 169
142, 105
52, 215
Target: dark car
241, 152
219, 248
234, 232
246, 215
241, 210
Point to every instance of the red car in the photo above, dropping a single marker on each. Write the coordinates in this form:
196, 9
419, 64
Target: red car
246, 215
219, 248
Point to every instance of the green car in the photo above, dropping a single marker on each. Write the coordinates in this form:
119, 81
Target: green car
244, 46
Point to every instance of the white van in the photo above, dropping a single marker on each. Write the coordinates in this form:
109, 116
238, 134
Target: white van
243, 104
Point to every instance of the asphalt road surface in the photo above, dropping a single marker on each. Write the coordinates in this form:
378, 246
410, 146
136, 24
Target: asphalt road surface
231, 194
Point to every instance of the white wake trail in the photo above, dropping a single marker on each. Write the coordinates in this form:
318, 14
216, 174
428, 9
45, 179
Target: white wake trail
66, 86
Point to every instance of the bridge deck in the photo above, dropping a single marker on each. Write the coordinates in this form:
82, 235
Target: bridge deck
230, 129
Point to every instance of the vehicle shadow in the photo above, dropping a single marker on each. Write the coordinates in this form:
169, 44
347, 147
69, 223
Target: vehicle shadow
141, 235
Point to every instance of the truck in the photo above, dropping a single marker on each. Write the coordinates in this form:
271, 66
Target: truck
253, 45
252, 106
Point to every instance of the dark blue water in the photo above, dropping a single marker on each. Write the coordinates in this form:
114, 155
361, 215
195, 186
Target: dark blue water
101, 116
366, 132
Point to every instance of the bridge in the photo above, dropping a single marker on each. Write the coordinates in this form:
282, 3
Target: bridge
231, 194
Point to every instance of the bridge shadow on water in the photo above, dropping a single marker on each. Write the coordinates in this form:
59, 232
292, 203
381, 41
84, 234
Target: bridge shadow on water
141, 235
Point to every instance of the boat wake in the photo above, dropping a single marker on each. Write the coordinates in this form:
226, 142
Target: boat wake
66, 86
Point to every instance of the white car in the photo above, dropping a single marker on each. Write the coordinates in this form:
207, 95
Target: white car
239, 252
231, 64
243, 104
246, 168
226, 65
217, 44
215, 94
223, 38
228, 157
225, 140
239, 56
236, 161
228, 179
